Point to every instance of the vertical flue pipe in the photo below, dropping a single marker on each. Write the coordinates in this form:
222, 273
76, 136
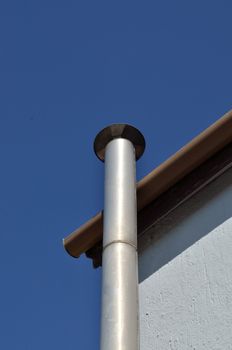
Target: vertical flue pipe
119, 317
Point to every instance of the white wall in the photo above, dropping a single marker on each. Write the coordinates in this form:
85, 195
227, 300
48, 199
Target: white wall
186, 275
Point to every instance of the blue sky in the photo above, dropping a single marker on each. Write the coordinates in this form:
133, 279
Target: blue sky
67, 69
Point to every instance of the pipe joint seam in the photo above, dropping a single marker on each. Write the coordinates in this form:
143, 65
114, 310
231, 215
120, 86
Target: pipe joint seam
120, 241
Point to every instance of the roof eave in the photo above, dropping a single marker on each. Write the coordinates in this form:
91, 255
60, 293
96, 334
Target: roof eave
188, 158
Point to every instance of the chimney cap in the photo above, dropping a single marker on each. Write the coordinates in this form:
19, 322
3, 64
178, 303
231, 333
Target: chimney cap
116, 131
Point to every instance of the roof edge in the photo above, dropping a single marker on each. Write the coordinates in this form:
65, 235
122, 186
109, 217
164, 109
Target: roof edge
188, 158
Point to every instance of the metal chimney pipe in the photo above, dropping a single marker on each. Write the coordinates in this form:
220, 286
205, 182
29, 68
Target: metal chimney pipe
119, 145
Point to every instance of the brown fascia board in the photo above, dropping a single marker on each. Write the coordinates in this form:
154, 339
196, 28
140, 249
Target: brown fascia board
162, 178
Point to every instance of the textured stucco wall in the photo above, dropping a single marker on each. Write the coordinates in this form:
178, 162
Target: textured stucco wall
186, 276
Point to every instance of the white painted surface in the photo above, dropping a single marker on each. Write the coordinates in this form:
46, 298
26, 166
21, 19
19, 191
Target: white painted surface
186, 275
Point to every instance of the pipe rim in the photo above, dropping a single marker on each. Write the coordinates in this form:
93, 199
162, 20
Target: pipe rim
116, 131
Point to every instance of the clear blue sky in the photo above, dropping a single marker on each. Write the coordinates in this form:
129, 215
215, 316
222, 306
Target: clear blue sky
67, 69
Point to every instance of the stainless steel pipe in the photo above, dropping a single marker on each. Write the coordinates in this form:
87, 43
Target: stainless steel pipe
119, 318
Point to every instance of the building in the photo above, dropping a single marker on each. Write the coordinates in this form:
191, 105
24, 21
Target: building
184, 243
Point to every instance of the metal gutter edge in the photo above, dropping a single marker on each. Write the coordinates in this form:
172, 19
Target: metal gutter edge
89, 234
196, 152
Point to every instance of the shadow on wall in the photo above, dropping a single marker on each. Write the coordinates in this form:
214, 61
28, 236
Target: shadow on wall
185, 225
